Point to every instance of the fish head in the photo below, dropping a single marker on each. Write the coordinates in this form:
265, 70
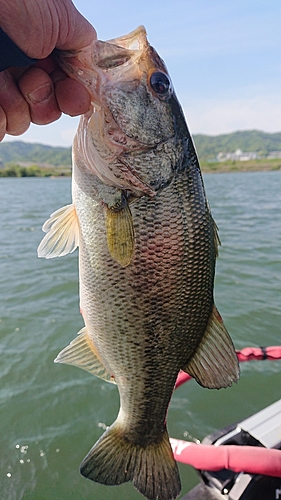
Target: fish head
132, 99
128, 80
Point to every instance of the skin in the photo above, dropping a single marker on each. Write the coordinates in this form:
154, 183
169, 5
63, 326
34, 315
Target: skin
40, 93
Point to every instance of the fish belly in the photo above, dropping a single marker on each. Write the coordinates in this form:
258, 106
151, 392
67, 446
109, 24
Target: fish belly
147, 319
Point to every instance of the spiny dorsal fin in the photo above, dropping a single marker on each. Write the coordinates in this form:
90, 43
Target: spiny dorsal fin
62, 236
120, 233
81, 352
215, 363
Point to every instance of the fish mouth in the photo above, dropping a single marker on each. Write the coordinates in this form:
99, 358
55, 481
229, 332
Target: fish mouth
103, 66
118, 62
89, 64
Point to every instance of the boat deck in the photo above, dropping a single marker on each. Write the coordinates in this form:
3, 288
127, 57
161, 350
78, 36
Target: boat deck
201, 492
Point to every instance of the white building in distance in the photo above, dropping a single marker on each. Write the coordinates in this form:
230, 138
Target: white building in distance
238, 155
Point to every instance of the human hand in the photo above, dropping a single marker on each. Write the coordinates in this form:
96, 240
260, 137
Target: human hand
39, 93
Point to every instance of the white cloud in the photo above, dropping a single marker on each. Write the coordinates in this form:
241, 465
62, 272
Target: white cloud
219, 116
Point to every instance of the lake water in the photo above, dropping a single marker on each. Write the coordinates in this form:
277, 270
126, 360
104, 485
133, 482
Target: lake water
51, 415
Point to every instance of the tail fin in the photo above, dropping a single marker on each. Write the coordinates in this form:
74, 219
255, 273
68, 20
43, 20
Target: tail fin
152, 468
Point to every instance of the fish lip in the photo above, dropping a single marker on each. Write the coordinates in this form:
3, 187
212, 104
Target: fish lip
135, 40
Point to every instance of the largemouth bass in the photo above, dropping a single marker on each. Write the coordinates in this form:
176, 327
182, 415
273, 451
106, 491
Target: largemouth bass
147, 250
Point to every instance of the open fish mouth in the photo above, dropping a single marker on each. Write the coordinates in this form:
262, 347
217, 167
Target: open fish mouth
86, 64
121, 63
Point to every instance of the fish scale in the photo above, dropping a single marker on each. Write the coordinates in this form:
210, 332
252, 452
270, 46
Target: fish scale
147, 250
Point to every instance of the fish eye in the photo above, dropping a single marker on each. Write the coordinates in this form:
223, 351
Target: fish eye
160, 83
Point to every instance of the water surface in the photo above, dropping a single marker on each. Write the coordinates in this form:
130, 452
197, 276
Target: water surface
51, 414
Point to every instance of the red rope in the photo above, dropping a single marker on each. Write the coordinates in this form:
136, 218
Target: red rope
250, 459
271, 353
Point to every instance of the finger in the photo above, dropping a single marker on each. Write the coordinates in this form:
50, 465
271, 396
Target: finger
38, 90
2, 124
48, 64
14, 105
77, 33
73, 98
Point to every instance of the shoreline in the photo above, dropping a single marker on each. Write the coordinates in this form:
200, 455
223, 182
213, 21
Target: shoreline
263, 165
37, 170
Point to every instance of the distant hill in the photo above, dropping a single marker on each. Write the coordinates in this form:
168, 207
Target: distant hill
19, 151
207, 147
247, 140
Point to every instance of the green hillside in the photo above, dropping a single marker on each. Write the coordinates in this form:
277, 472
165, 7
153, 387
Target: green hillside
207, 147
248, 140
19, 151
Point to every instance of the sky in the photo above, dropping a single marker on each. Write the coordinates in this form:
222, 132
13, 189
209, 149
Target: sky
223, 56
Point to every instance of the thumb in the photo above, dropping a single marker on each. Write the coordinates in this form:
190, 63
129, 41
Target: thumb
79, 33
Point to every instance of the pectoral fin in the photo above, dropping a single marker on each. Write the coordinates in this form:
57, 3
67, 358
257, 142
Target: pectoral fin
120, 233
81, 352
215, 363
62, 236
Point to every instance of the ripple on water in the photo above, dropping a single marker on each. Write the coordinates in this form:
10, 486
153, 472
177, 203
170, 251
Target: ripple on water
51, 415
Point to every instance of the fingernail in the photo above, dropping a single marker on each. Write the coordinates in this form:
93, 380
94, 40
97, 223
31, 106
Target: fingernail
41, 94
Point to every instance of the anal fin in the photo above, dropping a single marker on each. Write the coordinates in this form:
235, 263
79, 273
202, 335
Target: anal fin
82, 353
215, 364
